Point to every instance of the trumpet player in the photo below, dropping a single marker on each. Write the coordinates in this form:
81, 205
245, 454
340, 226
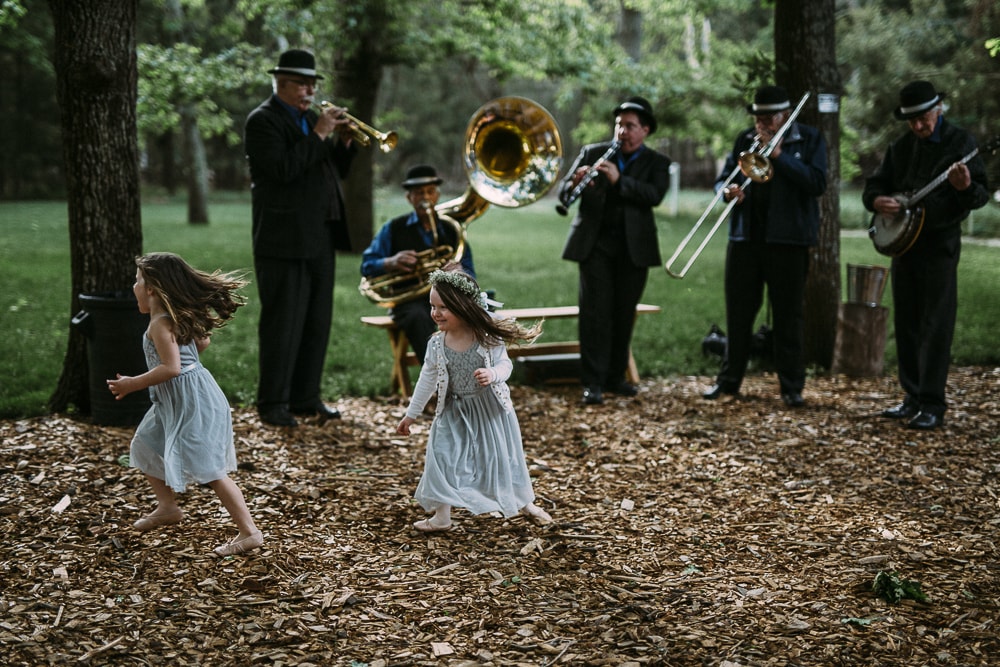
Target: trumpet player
772, 226
395, 248
613, 239
296, 158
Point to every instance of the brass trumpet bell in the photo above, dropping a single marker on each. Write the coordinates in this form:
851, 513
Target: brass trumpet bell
363, 133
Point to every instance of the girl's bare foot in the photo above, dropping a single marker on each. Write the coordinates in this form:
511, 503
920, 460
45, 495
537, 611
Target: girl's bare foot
537, 513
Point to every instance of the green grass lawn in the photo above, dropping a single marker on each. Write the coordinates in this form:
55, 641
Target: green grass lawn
517, 254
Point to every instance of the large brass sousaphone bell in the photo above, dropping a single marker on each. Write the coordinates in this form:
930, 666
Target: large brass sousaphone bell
512, 156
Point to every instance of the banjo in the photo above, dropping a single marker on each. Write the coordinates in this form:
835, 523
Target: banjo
894, 235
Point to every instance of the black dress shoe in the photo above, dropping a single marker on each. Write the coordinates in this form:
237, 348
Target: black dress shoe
793, 399
902, 411
278, 417
622, 389
592, 396
717, 390
925, 421
321, 410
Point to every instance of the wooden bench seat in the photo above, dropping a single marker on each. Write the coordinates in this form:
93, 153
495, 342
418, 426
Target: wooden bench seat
403, 358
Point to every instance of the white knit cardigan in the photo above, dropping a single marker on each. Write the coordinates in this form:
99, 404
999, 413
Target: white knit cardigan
434, 376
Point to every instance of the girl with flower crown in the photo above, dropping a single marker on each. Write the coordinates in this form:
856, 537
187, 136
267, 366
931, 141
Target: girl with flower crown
474, 458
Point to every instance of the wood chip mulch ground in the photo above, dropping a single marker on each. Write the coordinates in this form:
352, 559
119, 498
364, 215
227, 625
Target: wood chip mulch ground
686, 532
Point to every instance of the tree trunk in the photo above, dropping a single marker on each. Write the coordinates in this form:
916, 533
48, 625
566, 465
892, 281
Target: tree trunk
630, 32
95, 64
197, 166
805, 61
356, 86
358, 90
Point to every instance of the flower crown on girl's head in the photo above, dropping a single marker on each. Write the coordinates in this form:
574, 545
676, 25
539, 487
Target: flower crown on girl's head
462, 283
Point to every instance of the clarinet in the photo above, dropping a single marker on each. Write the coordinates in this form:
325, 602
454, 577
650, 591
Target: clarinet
563, 207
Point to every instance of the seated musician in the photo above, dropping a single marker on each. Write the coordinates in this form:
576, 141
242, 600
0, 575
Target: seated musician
394, 250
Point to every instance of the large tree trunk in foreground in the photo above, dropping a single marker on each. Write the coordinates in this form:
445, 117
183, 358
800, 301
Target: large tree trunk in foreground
95, 63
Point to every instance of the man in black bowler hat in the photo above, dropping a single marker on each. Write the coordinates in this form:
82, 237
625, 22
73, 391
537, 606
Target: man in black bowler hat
771, 228
925, 277
613, 239
296, 158
394, 250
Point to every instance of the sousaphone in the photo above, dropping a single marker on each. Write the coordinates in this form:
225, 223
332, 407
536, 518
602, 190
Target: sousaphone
512, 156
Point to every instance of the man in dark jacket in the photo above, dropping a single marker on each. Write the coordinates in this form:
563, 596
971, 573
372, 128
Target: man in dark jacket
925, 277
771, 229
613, 238
296, 159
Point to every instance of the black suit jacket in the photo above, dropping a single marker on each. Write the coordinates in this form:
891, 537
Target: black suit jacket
295, 184
641, 187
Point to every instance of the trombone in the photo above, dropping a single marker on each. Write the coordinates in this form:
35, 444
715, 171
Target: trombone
756, 166
364, 133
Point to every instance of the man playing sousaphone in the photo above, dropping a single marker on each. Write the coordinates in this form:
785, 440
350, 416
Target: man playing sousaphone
925, 277
399, 246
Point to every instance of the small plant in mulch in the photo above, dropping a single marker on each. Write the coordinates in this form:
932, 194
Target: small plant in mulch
892, 588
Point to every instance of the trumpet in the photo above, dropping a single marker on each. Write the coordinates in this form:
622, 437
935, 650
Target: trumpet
363, 133
756, 166
565, 202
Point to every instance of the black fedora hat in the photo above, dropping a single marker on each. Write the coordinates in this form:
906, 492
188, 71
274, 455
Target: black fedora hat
421, 174
296, 61
917, 98
768, 100
640, 106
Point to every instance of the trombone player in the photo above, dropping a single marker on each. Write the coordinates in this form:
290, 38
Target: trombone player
394, 251
773, 224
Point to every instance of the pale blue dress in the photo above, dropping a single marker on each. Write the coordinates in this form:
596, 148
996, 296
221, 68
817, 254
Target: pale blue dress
475, 457
187, 434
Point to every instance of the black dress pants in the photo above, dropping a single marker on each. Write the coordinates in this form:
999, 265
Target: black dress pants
610, 289
925, 303
750, 267
414, 318
296, 309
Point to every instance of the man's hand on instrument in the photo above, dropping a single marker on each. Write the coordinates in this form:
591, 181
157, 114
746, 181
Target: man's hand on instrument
734, 192
403, 261
959, 176
887, 206
610, 170
331, 119
579, 174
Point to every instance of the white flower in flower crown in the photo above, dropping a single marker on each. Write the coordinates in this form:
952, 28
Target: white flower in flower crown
456, 280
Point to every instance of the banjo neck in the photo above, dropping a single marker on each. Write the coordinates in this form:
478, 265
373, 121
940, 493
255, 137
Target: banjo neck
924, 191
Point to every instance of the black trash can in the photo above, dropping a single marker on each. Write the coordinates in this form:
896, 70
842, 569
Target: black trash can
113, 326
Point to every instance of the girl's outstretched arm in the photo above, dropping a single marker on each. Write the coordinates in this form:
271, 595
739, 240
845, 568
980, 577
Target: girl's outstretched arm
162, 335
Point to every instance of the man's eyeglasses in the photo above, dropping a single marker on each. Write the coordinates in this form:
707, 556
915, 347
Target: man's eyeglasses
303, 83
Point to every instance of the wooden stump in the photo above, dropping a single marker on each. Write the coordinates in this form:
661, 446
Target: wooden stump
859, 350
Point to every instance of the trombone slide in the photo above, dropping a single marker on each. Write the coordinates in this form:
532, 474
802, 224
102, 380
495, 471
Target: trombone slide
708, 237
755, 166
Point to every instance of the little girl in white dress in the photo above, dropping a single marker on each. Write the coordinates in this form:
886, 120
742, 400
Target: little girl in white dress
475, 458
187, 434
